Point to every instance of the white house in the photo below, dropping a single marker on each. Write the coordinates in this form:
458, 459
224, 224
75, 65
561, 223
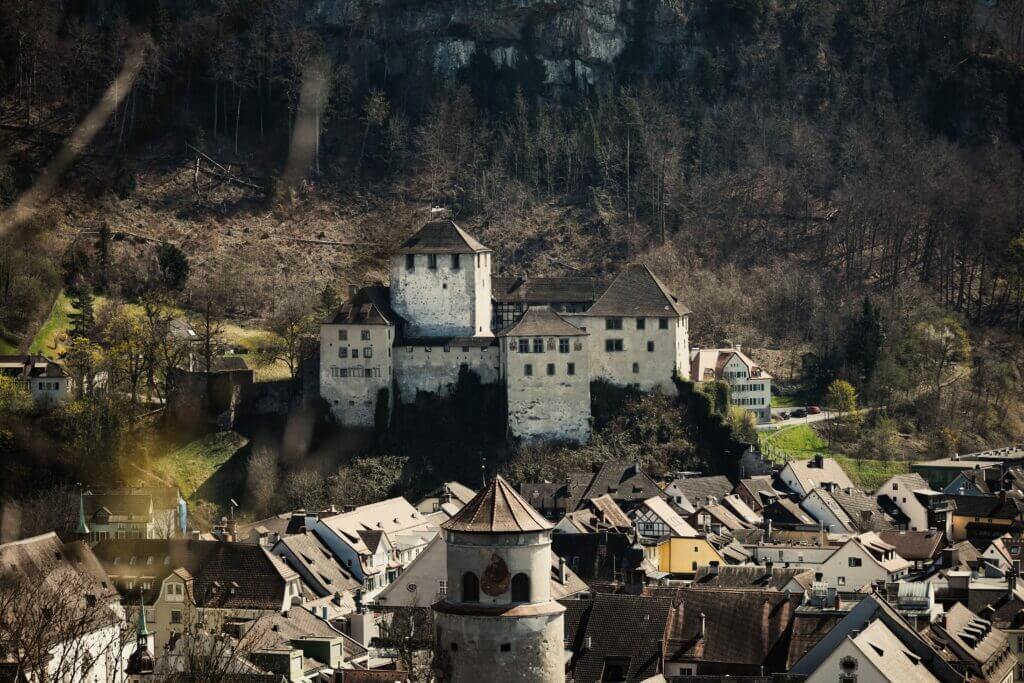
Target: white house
750, 386
873, 655
803, 476
862, 560
909, 493
45, 379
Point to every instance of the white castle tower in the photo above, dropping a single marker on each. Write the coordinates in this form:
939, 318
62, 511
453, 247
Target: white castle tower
441, 283
498, 622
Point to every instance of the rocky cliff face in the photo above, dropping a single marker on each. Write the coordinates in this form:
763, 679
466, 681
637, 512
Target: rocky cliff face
567, 43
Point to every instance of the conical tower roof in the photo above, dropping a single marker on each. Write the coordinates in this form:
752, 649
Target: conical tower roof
82, 529
497, 509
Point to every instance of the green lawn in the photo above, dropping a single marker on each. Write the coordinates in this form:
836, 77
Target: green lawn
7, 348
191, 465
785, 402
802, 442
47, 341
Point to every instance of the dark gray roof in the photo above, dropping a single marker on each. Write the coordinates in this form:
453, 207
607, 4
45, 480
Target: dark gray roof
698, 489
625, 482
914, 545
370, 306
318, 561
863, 510
542, 322
598, 556
636, 291
751, 577
625, 628
441, 237
545, 290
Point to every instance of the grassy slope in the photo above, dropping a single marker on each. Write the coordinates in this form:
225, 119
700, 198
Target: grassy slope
785, 401
46, 340
193, 464
802, 442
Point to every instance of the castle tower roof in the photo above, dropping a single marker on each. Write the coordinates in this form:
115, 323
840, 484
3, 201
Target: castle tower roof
497, 508
441, 237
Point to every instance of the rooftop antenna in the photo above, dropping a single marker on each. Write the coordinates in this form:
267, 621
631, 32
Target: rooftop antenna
483, 470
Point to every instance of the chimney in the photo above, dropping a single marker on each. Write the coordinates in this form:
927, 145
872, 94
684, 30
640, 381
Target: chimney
703, 625
713, 569
561, 570
769, 565
818, 462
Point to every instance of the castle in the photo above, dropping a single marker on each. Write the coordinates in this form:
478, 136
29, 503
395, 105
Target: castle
544, 339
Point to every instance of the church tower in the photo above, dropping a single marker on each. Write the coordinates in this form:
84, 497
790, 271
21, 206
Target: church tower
441, 283
498, 622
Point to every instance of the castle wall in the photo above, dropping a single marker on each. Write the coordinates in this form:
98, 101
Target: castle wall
431, 368
648, 357
470, 649
542, 405
350, 384
443, 301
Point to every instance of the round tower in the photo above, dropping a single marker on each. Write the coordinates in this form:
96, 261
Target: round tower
498, 622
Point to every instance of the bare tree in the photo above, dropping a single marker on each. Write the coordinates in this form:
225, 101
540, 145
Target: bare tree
409, 633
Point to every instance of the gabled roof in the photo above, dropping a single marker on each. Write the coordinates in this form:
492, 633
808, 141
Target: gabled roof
864, 512
636, 291
997, 507
915, 546
625, 482
441, 237
545, 290
707, 364
752, 577
390, 515
497, 508
676, 524
697, 490
889, 656
810, 475
315, 558
628, 629
541, 321
910, 481
118, 504
759, 488
723, 516
785, 511
370, 306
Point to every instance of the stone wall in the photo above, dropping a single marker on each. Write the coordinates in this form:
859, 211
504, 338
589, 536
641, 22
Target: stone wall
433, 369
472, 648
350, 384
443, 301
542, 405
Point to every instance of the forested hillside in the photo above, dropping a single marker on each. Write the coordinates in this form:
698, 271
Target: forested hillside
840, 180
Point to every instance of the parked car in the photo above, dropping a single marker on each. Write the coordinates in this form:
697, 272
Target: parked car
782, 414
799, 412
813, 410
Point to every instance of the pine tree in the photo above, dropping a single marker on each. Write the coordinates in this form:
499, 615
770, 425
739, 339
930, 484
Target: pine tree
103, 257
82, 318
864, 341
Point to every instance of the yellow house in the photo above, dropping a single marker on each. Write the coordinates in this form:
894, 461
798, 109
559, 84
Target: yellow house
681, 557
982, 516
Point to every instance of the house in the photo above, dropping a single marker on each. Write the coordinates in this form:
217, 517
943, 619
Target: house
911, 495
716, 517
806, 552
449, 496
1003, 605
845, 510
981, 519
625, 482
982, 481
595, 514
757, 492
738, 507
69, 614
681, 558
750, 387
365, 540
785, 514
974, 645
941, 472
443, 313
862, 560
606, 561
128, 515
796, 580
873, 654
727, 632
616, 637
320, 570
298, 645
919, 547
803, 476
45, 379
654, 518
689, 493
185, 581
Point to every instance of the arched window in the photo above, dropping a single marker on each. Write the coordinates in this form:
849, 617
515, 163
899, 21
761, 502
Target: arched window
470, 587
520, 588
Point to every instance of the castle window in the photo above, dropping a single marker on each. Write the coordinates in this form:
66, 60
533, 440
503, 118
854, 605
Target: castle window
355, 353
612, 345
368, 352
432, 261
650, 347
636, 368
470, 587
524, 346
613, 323
520, 588
410, 261
447, 349
342, 335
563, 346
570, 369
364, 335
506, 647
528, 370
343, 352
662, 323
551, 368
641, 323
455, 262
538, 345
465, 349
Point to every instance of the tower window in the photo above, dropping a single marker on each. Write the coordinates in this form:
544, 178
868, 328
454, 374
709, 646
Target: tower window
636, 368
528, 370
612, 345
432, 261
551, 368
342, 335
613, 323
410, 261
364, 335
520, 588
455, 262
538, 345
570, 369
662, 323
470, 587
343, 352
650, 347
641, 323
563, 346
506, 647
524, 346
